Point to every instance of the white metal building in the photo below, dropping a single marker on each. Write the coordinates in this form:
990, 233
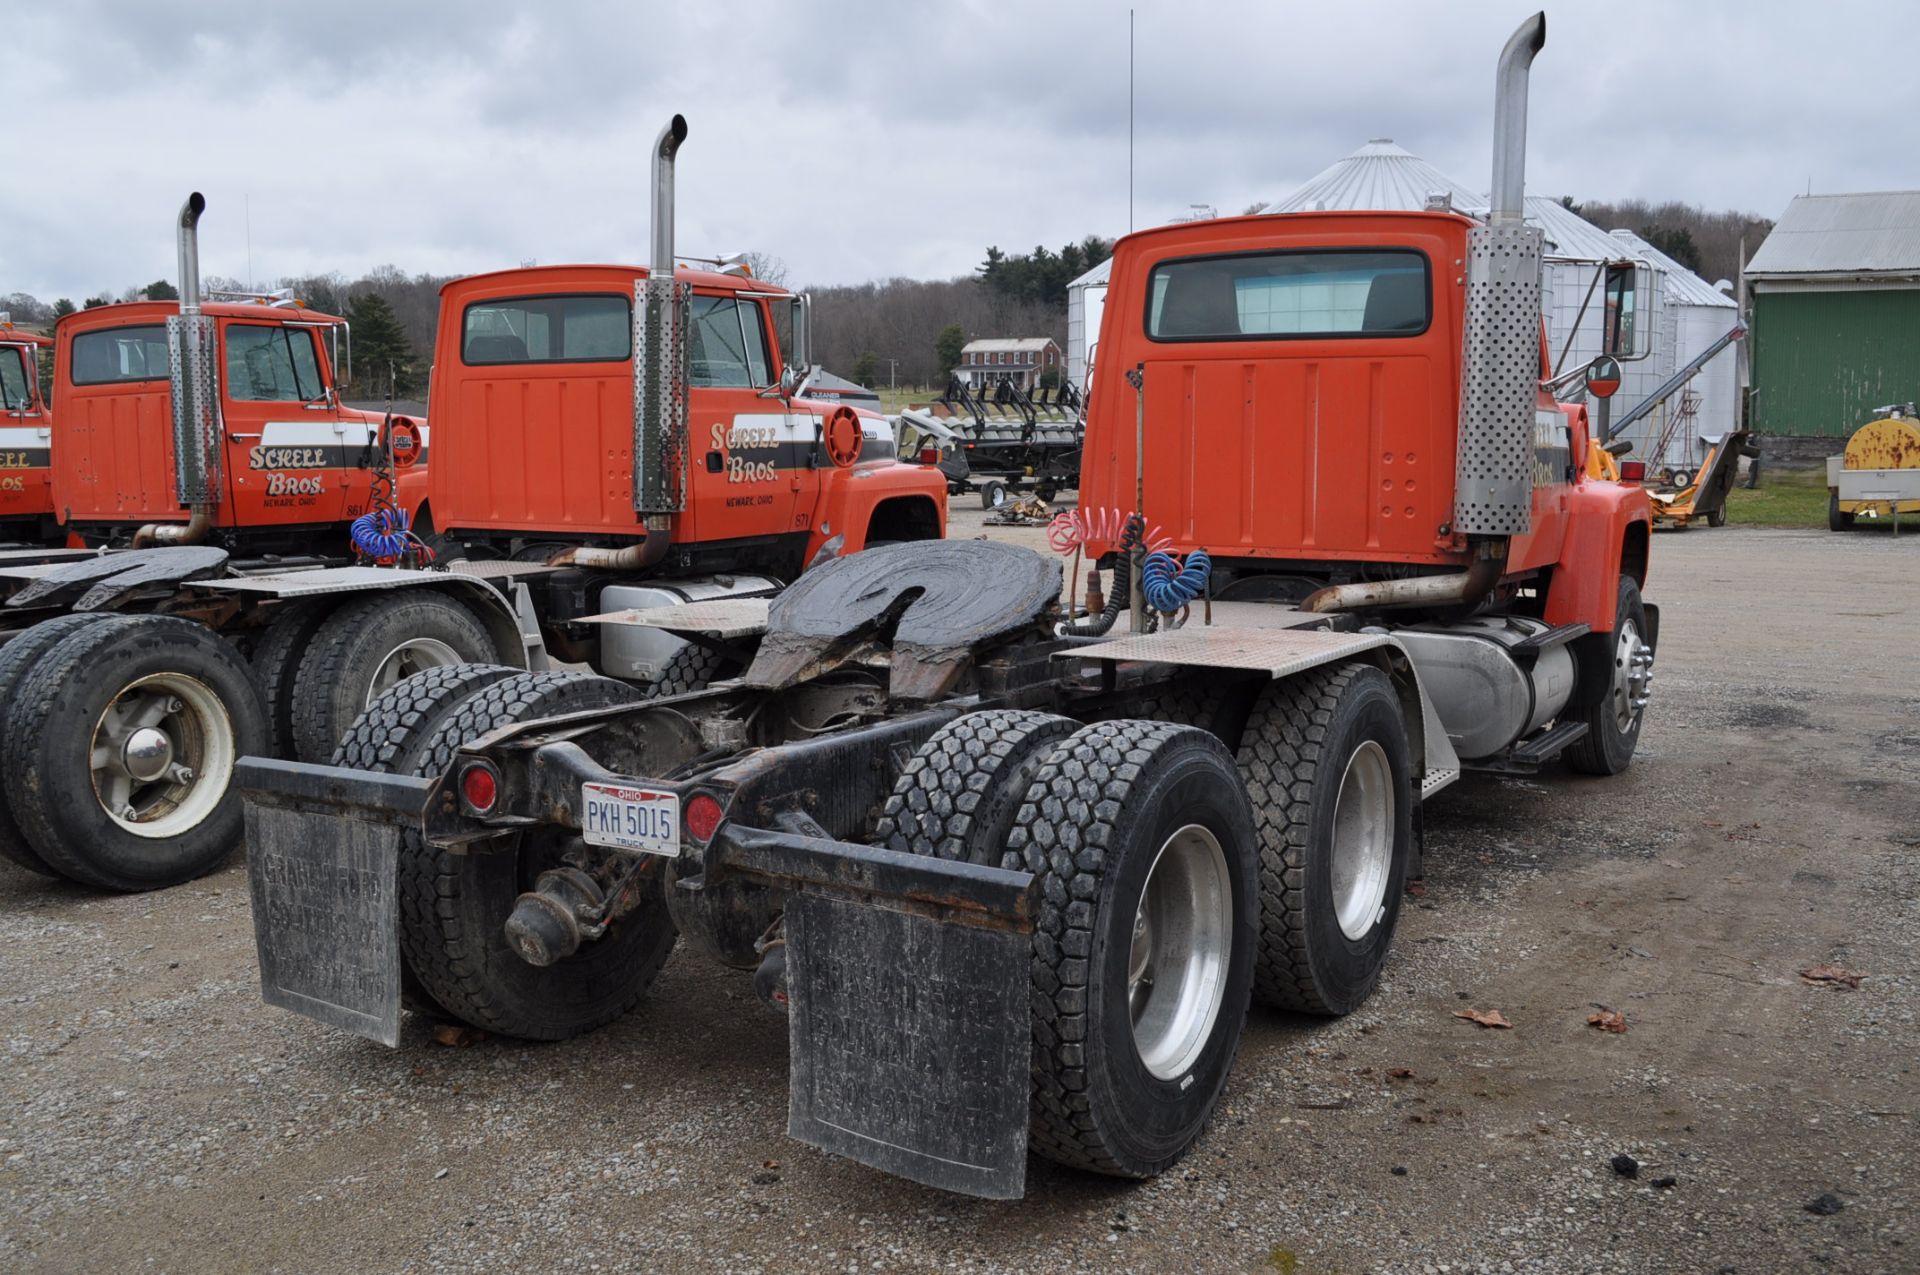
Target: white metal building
1086, 302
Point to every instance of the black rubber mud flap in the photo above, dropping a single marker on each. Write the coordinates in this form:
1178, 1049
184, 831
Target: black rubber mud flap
911, 1043
322, 864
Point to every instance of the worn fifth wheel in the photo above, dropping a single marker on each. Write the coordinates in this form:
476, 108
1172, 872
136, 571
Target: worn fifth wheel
121, 748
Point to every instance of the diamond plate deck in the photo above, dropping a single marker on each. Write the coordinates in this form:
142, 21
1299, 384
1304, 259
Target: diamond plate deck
300, 584
1279, 652
499, 570
722, 617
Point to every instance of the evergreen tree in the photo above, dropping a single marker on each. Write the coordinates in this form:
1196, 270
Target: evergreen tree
866, 368
64, 307
160, 290
947, 348
382, 355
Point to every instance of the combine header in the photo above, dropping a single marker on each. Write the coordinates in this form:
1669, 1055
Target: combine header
999, 440
1016, 879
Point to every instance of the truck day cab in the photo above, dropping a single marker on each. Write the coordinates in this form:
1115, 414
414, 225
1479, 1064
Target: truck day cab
26, 442
1015, 880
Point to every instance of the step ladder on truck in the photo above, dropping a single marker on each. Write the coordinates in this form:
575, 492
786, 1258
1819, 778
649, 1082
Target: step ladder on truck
1015, 875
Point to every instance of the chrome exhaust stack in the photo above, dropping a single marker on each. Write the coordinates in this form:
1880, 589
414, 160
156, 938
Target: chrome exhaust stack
660, 316
1510, 120
1500, 356
192, 345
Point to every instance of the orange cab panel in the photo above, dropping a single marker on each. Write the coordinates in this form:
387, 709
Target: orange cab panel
1301, 379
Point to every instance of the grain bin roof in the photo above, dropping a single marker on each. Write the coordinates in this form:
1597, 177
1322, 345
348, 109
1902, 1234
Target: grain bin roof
1378, 175
1875, 233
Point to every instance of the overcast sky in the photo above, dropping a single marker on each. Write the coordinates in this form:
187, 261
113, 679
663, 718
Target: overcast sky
864, 140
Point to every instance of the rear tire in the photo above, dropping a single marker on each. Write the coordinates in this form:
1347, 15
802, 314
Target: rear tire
1613, 723
453, 906
1142, 841
958, 796
1837, 521
276, 663
18, 658
393, 736
993, 495
121, 749
365, 647
691, 668
1325, 761
1717, 518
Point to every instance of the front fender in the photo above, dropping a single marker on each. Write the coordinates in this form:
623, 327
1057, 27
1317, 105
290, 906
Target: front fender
1609, 528
848, 498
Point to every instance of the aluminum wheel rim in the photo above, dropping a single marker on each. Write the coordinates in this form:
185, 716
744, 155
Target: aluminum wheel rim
1632, 675
162, 755
1177, 959
415, 655
1363, 840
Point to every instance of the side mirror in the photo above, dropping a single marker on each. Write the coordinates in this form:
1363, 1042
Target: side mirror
1627, 319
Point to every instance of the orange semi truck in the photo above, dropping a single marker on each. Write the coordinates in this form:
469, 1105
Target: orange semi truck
26, 442
1016, 876
608, 438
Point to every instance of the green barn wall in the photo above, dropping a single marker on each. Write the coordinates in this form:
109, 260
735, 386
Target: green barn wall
1822, 361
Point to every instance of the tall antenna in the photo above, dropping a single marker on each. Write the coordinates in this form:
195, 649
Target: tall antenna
1129, 121
249, 207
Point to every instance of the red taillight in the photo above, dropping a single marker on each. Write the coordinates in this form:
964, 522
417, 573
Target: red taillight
1633, 471
929, 455
480, 786
703, 817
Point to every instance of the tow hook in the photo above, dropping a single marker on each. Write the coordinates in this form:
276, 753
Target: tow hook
548, 924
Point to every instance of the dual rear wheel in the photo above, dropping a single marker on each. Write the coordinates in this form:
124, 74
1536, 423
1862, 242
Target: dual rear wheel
1178, 882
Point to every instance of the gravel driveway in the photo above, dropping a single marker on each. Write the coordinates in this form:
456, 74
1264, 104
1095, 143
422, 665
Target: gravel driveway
154, 1115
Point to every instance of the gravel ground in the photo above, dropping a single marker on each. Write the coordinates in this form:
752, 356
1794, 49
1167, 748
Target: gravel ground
154, 1115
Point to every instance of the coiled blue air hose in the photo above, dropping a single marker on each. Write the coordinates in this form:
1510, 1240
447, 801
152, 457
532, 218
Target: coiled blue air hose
381, 533
1169, 585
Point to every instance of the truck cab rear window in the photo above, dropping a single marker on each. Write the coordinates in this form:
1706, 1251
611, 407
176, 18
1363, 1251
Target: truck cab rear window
564, 329
121, 354
1380, 292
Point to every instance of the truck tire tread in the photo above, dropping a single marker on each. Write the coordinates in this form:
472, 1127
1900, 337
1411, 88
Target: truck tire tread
17, 661
958, 795
276, 663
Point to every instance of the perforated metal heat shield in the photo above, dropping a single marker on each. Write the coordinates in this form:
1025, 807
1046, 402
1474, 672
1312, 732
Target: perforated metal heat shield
1493, 488
191, 346
660, 370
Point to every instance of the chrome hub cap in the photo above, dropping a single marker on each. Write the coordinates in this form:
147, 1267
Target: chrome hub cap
1632, 675
415, 655
162, 755
1363, 821
1181, 944
147, 754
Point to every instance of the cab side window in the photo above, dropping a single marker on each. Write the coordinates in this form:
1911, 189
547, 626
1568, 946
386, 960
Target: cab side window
729, 343
268, 363
14, 396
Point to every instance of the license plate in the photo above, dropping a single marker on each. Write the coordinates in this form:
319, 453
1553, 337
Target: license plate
641, 819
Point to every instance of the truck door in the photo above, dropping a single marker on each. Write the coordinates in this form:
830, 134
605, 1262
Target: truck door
293, 457
115, 459
748, 455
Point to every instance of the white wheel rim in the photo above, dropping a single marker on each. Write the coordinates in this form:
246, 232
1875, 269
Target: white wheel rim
1632, 675
1178, 955
162, 755
415, 655
1363, 841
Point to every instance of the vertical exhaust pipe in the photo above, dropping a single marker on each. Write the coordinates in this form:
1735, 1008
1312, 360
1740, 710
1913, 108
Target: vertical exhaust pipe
660, 443
665, 147
189, 244
1510, 120
196, 410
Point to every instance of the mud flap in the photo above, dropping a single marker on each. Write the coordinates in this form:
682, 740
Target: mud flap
911, 1043
323, 868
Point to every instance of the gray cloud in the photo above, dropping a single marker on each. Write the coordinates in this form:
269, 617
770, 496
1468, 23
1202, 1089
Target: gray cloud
861, 140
